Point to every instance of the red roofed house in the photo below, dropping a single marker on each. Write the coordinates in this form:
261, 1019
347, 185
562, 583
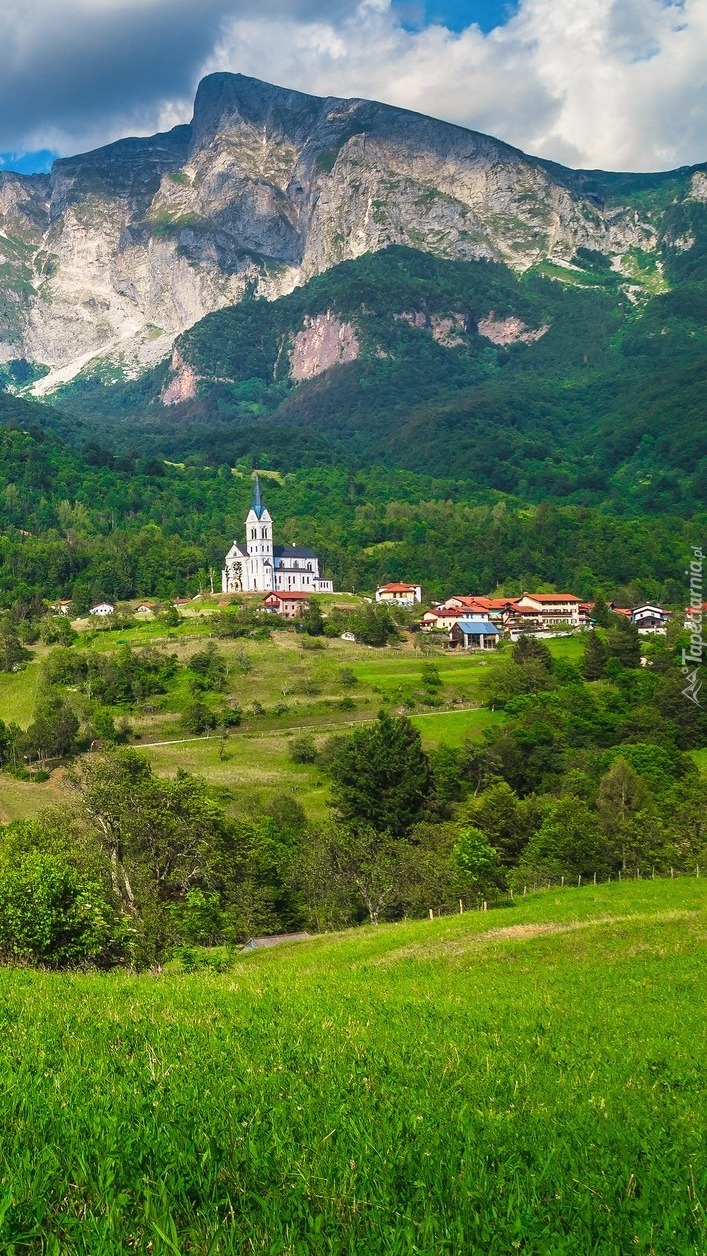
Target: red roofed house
400, 594
479, 605
442, 620
497, 609
289, 605
552, 609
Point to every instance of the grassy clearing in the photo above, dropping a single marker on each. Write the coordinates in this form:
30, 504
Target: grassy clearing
453, 727
272, 674
18, 693
524, 1080
24, 800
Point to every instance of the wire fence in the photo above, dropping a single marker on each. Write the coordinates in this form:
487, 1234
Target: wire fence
541, 885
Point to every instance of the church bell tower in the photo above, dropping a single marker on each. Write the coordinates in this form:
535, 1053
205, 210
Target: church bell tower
259, 544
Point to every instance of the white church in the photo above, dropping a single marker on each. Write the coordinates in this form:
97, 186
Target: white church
259, 566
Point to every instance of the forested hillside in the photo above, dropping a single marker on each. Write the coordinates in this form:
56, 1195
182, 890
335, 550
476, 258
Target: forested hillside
588, 390
93, 524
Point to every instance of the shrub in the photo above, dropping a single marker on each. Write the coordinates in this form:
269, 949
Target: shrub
198, 919
58, 631
198, 718
303, 750
50, 915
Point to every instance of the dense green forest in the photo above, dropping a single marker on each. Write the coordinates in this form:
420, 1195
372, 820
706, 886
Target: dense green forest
92, 524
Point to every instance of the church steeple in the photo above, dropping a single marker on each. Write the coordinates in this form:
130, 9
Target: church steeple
259, 543
257, 503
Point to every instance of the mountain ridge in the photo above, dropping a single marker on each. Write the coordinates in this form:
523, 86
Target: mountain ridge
121, 249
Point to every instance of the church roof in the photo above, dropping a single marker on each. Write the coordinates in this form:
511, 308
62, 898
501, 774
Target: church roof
257, 505
292, 551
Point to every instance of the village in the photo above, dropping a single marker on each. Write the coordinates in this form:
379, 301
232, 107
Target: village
461, 622
284, 580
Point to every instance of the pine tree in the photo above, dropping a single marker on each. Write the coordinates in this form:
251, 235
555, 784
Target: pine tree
382, 776
595, 656
600, 614
623, 642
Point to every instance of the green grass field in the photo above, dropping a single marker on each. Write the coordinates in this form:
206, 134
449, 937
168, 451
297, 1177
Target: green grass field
523, 1080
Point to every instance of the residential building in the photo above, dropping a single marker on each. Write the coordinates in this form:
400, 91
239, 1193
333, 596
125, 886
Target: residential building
650, 619
474, 634
441, 620
261, 565
290, 605
102, 608
551, 609
399, 594
695, 617
478, 607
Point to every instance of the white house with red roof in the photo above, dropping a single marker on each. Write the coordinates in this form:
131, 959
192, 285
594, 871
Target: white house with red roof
552, 610
399, 593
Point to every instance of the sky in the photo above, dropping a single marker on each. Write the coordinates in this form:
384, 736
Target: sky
617, 84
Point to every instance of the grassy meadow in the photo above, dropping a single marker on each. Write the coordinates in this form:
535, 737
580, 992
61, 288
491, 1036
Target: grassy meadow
529, 1079
283, 690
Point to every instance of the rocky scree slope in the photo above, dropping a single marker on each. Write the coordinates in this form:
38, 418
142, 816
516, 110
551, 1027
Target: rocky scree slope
120, 249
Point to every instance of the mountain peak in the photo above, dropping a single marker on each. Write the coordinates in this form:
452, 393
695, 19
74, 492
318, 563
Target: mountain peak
223, 97
266, 188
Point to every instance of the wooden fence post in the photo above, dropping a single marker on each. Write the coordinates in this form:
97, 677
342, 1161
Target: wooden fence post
461, 907
432, 915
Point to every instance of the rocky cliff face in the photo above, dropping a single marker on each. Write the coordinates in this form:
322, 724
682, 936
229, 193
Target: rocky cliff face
121, 249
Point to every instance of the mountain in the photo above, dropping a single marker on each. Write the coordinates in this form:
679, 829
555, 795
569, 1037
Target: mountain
107, 259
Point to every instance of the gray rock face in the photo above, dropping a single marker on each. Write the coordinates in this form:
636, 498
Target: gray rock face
129, 245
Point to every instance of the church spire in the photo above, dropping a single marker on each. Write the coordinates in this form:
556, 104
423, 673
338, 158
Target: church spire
257, 503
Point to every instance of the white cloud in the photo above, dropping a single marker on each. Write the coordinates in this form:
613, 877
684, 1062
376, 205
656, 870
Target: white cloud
615, 83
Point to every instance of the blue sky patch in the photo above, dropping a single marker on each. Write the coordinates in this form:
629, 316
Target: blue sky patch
456, 15
28, 163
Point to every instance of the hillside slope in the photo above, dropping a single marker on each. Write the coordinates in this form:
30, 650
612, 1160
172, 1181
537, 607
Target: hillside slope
527, 1080
518, 384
